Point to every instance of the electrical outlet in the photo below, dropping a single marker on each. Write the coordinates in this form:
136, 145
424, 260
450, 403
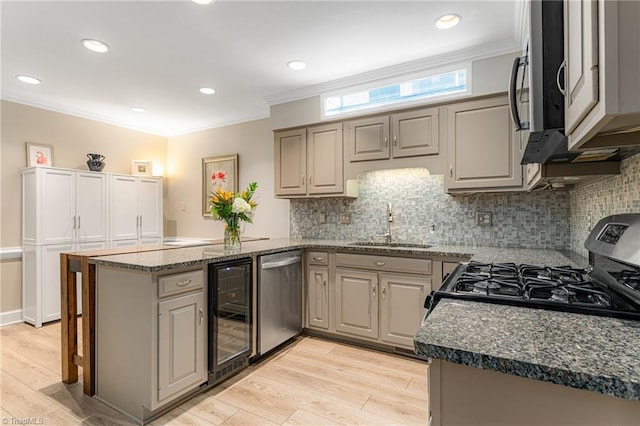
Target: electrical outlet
484, 219
322, 218
345, 218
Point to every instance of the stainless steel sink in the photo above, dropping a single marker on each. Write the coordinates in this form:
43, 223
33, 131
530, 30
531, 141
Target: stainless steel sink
394, 245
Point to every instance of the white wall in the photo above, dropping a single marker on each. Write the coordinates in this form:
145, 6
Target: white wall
253, 142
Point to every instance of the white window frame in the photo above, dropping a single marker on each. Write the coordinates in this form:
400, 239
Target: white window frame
345, 91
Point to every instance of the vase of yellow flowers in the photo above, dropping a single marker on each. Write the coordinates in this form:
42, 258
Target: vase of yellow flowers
233, 209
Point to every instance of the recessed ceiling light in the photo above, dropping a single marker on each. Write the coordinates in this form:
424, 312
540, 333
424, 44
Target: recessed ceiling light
28, 79
207, 91
447, 21
138, 109
296, 65
203, 1
95, 45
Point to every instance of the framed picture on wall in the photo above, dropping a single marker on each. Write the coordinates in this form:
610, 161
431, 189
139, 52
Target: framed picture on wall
218, 172
39, 154
141, 167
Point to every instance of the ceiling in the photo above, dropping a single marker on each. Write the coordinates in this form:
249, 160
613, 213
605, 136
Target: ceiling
163, 52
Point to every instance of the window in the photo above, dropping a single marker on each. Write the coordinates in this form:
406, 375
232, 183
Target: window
442, 84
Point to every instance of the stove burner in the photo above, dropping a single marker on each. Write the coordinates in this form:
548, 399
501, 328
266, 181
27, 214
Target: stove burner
485, 287
562, 294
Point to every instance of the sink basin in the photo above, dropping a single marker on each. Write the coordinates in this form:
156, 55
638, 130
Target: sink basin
383, 244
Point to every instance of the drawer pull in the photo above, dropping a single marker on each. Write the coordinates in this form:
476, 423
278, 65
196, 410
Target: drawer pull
317, 259
379, 263
183, 283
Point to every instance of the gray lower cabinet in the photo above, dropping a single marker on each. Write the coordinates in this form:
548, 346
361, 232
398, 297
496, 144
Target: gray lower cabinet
151, 338
318, 290
181, 333
380, 298
357, 302
318, 296
401, 307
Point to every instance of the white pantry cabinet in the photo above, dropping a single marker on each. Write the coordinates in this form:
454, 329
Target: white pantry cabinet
63, 206
135, 205
63, 211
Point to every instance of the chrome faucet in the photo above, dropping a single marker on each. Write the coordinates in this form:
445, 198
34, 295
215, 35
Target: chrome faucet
387, 235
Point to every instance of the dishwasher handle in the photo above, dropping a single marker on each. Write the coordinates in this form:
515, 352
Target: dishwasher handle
280, 263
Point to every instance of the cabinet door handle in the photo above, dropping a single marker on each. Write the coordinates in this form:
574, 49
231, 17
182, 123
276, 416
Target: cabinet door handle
563, 65
302, 180
395, 140
78, 222
386, 142
140, 221
201, 315
317, 259
384, 292
451, 170
379, 263
74, 222
183, 283
137, 221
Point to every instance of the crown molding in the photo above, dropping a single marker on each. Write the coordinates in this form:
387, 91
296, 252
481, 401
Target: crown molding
12, 97
484, 51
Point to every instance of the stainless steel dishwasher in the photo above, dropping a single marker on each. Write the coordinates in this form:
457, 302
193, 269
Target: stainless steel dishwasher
279, 299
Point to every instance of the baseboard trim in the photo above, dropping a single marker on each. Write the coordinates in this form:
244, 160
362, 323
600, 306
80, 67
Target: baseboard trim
10, 317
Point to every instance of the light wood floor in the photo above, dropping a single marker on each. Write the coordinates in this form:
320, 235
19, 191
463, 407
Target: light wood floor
311, 382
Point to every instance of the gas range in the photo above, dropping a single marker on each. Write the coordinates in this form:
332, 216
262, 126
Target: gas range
608, 286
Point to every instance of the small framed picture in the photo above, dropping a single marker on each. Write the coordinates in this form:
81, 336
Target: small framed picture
39, 154
141, 168
218, 172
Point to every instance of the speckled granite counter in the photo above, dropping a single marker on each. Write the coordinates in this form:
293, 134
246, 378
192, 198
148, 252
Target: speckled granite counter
582, 351
157, 261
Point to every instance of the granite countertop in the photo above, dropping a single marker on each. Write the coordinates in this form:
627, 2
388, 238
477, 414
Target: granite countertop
599, 354
183, 257
582, 351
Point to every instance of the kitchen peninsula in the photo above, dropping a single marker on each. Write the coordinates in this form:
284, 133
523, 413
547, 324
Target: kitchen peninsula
148, 266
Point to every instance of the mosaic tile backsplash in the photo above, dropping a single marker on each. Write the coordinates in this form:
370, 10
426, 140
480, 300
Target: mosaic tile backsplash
614, 195
423, 212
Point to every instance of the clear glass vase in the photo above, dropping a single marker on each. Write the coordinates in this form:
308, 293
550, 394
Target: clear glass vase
232, 237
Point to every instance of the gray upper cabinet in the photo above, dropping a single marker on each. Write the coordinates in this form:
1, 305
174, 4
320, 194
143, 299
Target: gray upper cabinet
581, 53
324, 159
602, 99
407, 134
483, 150
415, 133
309, 161
368, 138
291, 162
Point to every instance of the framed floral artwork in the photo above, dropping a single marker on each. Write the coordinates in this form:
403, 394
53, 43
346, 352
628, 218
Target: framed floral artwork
39, 154
218, 172
141, 167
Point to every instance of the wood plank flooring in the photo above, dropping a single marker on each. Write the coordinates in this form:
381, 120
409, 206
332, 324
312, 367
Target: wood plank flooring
310, 382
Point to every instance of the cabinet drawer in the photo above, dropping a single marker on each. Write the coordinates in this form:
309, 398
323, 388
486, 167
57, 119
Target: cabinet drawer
384, 263
180, 283
318, 258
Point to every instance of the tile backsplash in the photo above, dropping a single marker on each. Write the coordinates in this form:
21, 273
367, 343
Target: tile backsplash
614, 195
423, 212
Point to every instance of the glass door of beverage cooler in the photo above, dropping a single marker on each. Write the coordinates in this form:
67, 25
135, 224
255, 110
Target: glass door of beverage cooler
230, 319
